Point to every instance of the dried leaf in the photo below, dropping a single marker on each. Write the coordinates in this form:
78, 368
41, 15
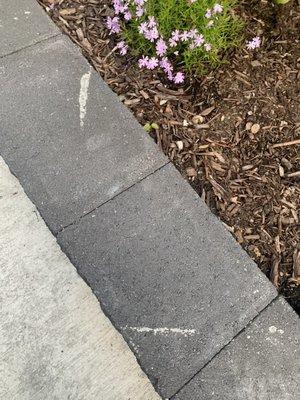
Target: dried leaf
207, 111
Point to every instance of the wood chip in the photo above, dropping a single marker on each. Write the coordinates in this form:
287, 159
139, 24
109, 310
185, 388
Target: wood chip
179, 144
294, 175
281, 171
255, 128
87, 45
191, 172
129, 102
248, 126
274, 274
67, 11
197, 119
80, 34
296, 265
252, 237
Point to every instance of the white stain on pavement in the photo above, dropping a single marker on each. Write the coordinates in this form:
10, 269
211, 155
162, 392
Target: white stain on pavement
274, 338
162, 331
273, 329
83, 94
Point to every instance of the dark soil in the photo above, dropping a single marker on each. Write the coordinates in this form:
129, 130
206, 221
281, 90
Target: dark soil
234, 133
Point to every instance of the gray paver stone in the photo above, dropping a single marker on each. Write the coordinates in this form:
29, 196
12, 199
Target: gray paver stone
169, 275
22, 24
66, 135
262, 363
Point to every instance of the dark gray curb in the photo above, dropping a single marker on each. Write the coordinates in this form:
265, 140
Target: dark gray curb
168, 274
166, 271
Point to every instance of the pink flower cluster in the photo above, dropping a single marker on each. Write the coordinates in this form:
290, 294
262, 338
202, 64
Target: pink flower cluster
211, 13
126, 10
121, 9
193, 37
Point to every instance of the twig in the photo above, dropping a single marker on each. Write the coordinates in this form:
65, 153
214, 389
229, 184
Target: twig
297, 141
110, 53
293, 174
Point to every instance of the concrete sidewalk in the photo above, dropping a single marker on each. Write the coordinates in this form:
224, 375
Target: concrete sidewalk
202, 320
55, 342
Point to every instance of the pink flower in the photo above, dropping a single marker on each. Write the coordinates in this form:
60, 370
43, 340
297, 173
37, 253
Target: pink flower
208, 13
122, 47
152, 63
176, 35
113, 24
151, 34
143, 28
217, 9
118, 6
139, 11
172, 42
178, 78
166, 65
192, 33
151, 22
127, 16
143, 62
254, 43
161, 47
199, 40
184, 36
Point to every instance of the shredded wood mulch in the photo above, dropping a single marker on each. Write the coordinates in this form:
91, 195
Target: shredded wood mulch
234, 133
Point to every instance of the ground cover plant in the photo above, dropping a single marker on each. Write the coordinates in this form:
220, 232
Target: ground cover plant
183, 35
233, 131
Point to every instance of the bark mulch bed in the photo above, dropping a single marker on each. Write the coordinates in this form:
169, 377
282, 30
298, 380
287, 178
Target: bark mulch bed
234, 133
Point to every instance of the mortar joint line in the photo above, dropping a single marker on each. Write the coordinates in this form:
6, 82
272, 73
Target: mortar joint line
226, 345
110, 199
31, 45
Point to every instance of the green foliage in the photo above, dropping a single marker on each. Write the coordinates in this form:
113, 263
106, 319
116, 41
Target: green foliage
151, 126
171, 15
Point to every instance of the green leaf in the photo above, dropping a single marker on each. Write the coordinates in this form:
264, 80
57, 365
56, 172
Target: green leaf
147, 127
154, 126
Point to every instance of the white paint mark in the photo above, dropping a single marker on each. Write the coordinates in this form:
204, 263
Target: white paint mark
164, 331
83, 95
